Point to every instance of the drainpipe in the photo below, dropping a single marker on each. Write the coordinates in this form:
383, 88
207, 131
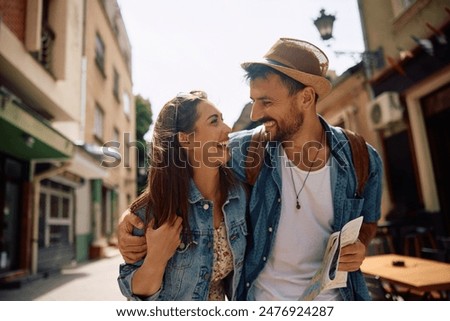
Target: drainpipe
37, 189
83, 78
83, 99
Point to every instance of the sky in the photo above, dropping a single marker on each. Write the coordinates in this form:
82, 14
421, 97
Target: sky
181, 45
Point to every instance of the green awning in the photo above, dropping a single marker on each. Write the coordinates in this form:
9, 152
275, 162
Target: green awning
26, 136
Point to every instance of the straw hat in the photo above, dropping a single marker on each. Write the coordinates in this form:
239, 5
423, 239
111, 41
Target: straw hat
299, 60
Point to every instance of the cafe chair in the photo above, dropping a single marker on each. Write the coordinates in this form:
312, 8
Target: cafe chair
380, 291
435, 254
417, 238
382, 243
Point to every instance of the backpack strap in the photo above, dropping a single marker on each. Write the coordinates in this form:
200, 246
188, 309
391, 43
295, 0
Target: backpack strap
360, 158
255, 156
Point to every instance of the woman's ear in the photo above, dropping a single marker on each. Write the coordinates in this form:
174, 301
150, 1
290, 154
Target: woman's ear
183, 138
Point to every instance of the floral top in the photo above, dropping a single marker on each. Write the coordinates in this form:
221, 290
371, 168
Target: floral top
223, 263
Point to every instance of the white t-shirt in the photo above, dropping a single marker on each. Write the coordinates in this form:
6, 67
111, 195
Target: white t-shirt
301, 237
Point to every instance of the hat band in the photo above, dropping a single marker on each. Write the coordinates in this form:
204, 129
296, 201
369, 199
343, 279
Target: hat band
274, 62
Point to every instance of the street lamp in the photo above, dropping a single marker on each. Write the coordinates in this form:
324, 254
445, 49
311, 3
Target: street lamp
324, 24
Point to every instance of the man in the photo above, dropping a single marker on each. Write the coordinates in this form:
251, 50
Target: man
306, 187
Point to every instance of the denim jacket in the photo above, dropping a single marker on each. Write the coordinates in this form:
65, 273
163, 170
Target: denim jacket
188, 272
265, 203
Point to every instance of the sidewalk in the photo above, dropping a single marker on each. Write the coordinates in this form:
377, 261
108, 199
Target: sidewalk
90, 281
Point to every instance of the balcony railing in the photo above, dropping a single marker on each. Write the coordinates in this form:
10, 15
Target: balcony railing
44, 56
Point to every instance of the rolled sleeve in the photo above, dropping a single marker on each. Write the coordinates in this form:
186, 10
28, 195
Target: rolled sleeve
126, 274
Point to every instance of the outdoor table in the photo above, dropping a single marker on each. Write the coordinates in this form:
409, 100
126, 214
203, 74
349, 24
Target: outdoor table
411, 272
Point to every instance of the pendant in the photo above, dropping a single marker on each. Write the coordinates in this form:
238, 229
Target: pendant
298, 205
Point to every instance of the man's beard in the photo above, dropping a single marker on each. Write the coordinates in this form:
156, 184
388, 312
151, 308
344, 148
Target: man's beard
286, 131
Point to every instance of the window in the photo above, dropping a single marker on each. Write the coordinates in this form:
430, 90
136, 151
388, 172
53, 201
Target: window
116, 28
116, 135
126, 104
98, 122
407, 3
55, 214
406, 11
116, 85
400, 6
100, 53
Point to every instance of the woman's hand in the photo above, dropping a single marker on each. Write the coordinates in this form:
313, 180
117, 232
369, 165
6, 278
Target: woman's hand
163, 241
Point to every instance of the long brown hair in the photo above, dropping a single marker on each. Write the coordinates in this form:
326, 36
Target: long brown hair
170, 172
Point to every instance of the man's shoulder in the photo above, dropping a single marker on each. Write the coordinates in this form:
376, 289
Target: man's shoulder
242, 136
339, 141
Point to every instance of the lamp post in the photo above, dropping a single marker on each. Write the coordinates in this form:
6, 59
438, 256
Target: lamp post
324, 23
371, 59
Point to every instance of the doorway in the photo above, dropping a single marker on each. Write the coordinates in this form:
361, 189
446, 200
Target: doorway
10, 214
436, 110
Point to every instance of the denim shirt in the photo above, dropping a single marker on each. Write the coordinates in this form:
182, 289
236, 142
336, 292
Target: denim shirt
265, 202
188, 273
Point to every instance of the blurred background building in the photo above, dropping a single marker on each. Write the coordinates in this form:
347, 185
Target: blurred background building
398, 97
67, 127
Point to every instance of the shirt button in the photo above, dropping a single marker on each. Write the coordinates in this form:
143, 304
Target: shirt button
279, 200
205, 206
247, 285
264, 259
270, 229
182, 246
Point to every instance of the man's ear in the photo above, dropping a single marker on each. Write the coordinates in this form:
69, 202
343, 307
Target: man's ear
307, 97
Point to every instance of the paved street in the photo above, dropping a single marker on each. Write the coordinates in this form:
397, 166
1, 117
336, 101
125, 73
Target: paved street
91, 281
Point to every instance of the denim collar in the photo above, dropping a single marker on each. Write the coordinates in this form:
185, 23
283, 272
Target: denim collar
196, 196
336, 141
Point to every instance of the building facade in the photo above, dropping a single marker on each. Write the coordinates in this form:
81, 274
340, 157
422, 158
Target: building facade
60, 196
109, 117
402, 107
416, 81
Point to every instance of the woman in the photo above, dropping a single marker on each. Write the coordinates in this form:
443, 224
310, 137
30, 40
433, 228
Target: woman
194, 209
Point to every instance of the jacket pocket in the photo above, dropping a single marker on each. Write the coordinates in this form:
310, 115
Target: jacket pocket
183, 256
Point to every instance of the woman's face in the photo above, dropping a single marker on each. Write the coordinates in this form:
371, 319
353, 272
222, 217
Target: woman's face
208, 144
